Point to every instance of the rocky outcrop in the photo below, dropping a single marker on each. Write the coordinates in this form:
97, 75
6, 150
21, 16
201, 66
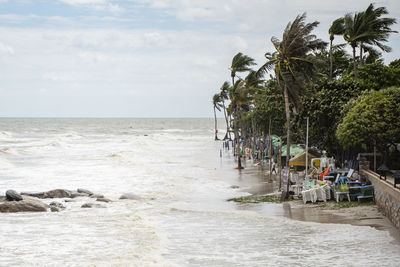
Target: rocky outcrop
84, 191
12, 195
56, 193
27, 204
130, 196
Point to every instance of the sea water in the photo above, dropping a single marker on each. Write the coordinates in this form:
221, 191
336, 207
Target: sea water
182, 217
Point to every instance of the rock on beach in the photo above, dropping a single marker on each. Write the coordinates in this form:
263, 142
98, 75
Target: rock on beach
56, 193
27, 204
12, 195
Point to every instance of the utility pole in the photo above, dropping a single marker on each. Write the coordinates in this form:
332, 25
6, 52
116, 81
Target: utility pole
307, 148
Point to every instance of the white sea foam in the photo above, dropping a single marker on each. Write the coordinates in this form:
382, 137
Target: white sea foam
182, 217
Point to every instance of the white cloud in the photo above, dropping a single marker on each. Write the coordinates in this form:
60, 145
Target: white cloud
6, 49
130, 65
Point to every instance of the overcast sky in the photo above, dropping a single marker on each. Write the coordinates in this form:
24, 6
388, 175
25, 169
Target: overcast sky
141, 58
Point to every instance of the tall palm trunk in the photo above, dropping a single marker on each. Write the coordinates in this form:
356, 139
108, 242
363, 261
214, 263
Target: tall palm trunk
215, 124
227, 123
237, 138
330, 60
355, 63
236, 128
361, 54
287, 110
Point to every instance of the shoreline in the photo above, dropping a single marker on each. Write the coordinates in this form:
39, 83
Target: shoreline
320, 212
364, 215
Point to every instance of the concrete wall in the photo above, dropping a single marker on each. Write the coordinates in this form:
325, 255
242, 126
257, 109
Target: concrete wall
386, 196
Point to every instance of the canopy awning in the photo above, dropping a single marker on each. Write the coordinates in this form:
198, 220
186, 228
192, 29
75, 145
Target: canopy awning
300, 159
294, 150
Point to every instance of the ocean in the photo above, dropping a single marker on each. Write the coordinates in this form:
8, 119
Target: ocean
182, 217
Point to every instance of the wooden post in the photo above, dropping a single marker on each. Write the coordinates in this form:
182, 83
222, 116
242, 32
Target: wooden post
269, 150
280, 163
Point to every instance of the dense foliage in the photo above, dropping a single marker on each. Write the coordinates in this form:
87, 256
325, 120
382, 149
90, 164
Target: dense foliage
345, 97
373, 119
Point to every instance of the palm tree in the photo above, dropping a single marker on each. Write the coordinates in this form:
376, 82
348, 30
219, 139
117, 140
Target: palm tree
290, 64
240, 63
224, 96
355, 31
216, 104
367, 28
378, 27
337, 28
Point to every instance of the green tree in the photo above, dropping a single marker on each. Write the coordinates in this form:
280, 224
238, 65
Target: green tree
377, 76
373, 118
324, 109
268, 104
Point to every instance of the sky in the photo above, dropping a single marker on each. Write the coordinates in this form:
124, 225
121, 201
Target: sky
141, 58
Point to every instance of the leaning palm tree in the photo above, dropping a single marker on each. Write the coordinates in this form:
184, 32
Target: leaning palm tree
240, 63
367, 28
241, 96
224, 96
290, 64
337, 28
216, 104
355, 31
379, 29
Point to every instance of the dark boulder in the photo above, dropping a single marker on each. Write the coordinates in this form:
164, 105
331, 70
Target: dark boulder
12, 195
27, 204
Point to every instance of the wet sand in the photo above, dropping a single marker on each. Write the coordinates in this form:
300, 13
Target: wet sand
256, 181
